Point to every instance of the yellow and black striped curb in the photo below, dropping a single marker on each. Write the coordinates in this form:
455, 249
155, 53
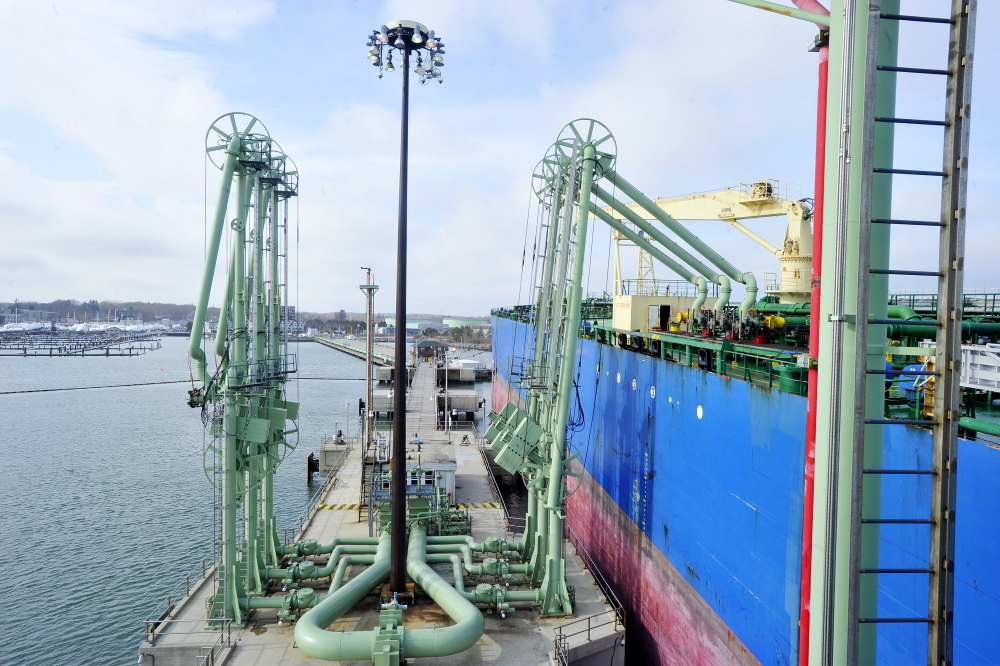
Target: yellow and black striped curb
355, 507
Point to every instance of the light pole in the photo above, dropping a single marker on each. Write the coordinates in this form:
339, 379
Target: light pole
405, 37
369, 290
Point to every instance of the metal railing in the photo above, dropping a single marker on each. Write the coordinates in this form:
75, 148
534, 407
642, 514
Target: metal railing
181, 590
513, 524
329, 483
562, 637
208, 654
586, 625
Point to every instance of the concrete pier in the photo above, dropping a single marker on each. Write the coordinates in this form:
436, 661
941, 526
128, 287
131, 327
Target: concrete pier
180, 637
380, 355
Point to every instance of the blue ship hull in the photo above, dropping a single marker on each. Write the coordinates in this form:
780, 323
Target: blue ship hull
691, 504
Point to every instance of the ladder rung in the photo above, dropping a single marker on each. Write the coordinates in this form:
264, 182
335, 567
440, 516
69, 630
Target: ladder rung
918, 19
911, 172
896, 620
898, 471
893, 271
913, 70
898, 422
898, 521
901, 571
922, 373
910, 121
917, 223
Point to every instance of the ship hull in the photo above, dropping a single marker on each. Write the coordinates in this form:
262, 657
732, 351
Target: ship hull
690, 503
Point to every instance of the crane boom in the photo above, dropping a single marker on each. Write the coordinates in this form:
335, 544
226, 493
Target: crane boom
750, 200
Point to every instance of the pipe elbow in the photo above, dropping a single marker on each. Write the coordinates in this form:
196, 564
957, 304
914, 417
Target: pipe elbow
725, 292
751, 283
702, 293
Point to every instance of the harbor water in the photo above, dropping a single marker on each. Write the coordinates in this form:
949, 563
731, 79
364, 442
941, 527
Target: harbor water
105, 503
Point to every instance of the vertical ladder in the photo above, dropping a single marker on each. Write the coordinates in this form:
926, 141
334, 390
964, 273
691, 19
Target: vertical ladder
944, 372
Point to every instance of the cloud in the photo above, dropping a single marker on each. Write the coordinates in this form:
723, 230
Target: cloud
699, 96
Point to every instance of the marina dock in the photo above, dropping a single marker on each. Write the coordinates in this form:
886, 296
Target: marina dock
522, 637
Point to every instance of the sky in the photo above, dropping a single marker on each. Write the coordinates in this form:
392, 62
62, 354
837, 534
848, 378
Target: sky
104, 108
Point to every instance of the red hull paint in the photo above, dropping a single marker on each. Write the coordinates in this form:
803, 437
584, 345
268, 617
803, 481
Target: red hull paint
664, 614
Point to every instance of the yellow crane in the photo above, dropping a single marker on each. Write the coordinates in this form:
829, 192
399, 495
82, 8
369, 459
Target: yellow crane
752, 199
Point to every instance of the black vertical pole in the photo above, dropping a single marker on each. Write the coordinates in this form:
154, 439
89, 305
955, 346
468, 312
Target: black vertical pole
397, 572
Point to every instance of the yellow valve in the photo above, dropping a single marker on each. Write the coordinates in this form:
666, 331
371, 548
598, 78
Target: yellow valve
773, 322
683, 317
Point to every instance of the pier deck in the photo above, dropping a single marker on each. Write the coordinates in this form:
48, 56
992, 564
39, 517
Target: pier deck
521, 638
381, 355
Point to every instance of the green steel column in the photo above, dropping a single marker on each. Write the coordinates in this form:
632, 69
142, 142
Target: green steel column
542, 320
556, 596
834, 485
550, 324
256, 395
274, 389
198, 325
237, 375
232, 589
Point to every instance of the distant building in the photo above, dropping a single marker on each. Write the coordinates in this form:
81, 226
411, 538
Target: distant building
342, 316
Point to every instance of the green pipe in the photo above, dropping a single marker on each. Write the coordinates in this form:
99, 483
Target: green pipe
438, 641
979, 425
642, 243
785, 10
198, 325
902, 312
222, 331
655, 233
725, 291
642, 200
338, 578
310, 631
481, 569
751, 283
459, 584
307, 570
702, 293
556, 593
347, 541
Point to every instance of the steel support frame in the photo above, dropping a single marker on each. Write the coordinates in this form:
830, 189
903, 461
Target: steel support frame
834, 638
947, 390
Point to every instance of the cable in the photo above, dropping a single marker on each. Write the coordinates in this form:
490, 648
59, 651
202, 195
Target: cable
85, 388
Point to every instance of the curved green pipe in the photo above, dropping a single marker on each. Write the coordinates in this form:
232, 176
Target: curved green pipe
725, 291
438, 641
702, 293
338, 578
751, 282
310, 631
212, 256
